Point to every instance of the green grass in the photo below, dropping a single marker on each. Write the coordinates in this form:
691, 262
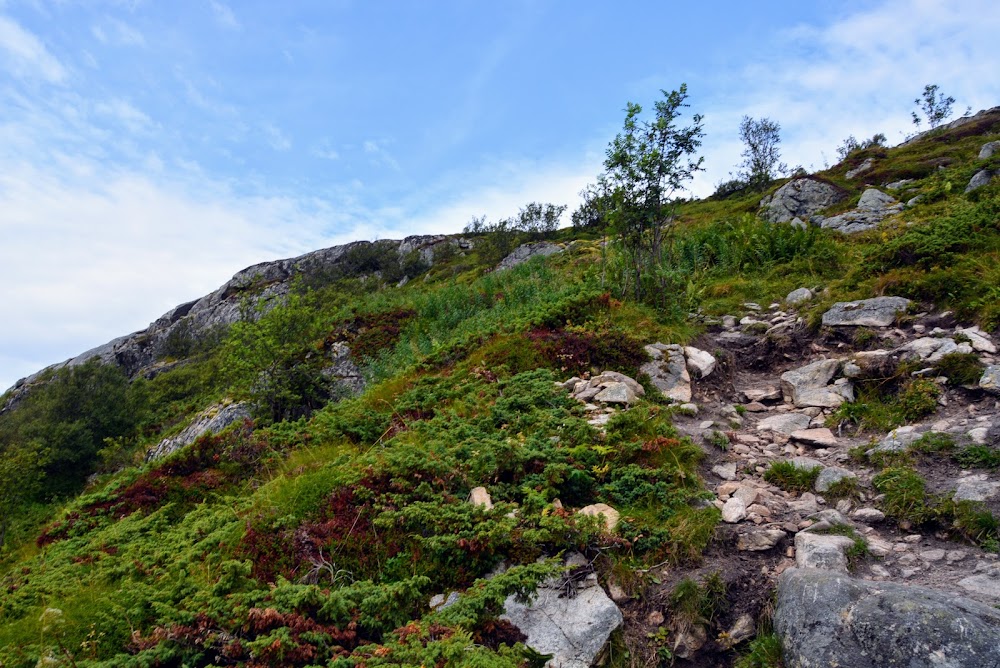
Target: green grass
792, 478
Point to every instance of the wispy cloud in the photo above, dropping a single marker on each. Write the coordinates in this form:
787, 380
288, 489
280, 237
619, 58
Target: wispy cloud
276, 139
325, 152
26, 56
379, 155
125, 113
112, 31
224, 16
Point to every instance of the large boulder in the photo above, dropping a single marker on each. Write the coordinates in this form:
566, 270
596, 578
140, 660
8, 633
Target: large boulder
826, 618
991, 379
210, 421
525, 252
800, 198
668, 371
875, 312
809, 385
574, 628
873, 207
979, 179
989, 149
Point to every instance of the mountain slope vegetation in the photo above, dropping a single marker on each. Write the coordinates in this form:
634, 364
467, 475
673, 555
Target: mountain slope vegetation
317, 531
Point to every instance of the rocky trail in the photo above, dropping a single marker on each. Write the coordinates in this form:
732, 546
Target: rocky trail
767, 393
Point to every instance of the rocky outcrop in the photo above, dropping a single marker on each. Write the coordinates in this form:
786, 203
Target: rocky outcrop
873, 207
989, 149
810, 385
525, 252
572, 621
800, 198
876, 312
979, 179
264, 285
668, 371
860, 169
991, 379
211, 421
826, 618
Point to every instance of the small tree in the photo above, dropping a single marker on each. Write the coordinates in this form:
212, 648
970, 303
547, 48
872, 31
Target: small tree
646, 165
934, 105
852, 145
22, 470
761, 157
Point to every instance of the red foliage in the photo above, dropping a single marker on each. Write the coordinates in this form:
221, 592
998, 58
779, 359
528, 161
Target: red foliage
369, 334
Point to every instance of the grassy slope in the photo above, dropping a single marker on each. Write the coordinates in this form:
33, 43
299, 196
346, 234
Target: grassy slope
320, 540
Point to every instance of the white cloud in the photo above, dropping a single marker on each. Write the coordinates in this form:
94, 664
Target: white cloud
379, 154
276, 139
26, 56
125, 113
224, 16
325, 152
116, 32
857, 76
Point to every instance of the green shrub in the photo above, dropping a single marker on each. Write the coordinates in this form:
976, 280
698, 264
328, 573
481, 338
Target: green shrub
960, 368
906, 498
764, 651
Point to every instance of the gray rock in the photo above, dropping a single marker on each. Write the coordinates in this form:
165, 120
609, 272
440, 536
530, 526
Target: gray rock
991, 379
668, 371
928, 348
897, 440
897, 185
876, 312
699, 362
860, 169
734, 510
808, 385
806, 463
210, 421
525, 252
342, 372
868, 515
976, 490
985, 583
831, 475
978, 339
826, 618
621, 378
989, 149
798, 296
873, 207
725, 471
784, 423
813, 550
818, 438
616, 393
759, 541
574, 629
800, 198
979, 179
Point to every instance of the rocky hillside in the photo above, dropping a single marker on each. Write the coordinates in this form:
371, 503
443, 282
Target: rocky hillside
484, 451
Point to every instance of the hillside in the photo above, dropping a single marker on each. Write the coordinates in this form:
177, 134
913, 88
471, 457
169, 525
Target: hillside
485, 450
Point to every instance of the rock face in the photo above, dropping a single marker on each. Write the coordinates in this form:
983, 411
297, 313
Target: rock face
826, 618
264, 285
525, 252
573, 629
860, 169
872, 208
876, 312
211, 421
991, 379
668, 370
799, 198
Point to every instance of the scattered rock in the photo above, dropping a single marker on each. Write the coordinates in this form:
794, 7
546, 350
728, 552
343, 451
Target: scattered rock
978, 339
860, 169
873, 207
820, 437
989, 149
808, 385
800, 198
616, 393
785, 423
876, 312
759, 541
979, 179
439, 602
798, 296
897, 440
480, 497
898, 185
826, 618
699, 362
991, 379
734, 511
985, 583
868, 515
831, 475
976, 490
813, 550
743, 629
725, 471
611, 516
668, 371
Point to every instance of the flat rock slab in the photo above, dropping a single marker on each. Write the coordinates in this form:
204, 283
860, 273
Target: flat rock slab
759, 541
827, 619
813, 550
877, 312
668, 371
820, 438
831, 475
786, 423
211, 421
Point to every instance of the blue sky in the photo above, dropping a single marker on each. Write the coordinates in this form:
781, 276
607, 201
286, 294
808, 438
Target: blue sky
150, 149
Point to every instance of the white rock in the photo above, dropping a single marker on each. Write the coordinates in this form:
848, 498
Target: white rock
479, 496
699, 362
611, 516
734, 511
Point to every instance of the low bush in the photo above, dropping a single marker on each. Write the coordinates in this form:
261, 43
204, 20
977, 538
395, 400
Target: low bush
792, 478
